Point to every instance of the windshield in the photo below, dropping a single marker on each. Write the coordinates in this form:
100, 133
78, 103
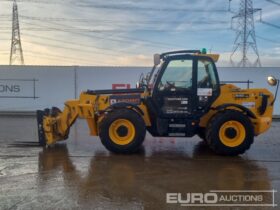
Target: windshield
178, 74
152, 75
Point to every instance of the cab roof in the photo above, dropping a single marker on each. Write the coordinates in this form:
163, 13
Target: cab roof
215, 57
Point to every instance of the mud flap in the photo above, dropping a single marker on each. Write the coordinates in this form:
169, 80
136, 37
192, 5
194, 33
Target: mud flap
41, 133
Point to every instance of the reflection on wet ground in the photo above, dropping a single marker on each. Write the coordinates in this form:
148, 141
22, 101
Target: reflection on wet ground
80, 173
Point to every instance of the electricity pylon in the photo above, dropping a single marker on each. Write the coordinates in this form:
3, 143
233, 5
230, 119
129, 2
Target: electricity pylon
245, 41
16, 54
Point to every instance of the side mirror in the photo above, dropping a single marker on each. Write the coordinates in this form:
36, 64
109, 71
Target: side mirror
272, 80
156, 59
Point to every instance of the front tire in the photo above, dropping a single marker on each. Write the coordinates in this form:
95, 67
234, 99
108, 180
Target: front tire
122, 131
202, 134
230, 132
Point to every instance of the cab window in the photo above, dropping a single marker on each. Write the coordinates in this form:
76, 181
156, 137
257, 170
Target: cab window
205, 75
177, 76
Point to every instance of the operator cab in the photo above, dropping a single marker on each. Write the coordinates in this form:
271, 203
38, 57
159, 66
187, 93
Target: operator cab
184, 88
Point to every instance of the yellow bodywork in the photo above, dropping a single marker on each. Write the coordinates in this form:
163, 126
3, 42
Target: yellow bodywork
215, 57
88, 107
231, 94
92, 108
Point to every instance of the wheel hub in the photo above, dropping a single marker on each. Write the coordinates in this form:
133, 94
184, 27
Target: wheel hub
122, 131
230, 133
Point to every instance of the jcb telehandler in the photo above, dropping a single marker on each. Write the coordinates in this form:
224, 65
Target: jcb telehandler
180, 97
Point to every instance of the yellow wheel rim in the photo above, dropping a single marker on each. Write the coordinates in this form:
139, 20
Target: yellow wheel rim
122, 131
232, 133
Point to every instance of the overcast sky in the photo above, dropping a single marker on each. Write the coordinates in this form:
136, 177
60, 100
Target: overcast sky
129, 32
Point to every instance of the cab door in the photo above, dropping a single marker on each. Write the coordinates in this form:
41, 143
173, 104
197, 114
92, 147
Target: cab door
184, 90
207, 85
174, 92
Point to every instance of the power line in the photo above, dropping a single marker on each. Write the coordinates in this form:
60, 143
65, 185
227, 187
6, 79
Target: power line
48, 58
122, 7
64, 58
107, 30
74, 43
35, 1
60, 58
274, 2
270, 24
153, 9
59, 29
71, 28
123, 39
34, 56
68, 48
103, 21
268, 40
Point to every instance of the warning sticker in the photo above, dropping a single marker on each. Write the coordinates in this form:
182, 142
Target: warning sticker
204, 91
249, 105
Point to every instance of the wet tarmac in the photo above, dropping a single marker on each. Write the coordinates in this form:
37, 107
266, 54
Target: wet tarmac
81, 174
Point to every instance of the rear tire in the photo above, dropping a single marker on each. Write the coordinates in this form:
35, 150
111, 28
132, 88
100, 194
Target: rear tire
230, 132
122, 131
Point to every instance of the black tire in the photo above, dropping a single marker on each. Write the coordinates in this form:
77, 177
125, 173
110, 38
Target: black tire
152, 130
216, 123
202, 134
139, 126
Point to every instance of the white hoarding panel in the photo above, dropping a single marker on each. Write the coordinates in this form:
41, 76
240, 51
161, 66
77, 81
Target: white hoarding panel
27, 88
30, 87
108, 77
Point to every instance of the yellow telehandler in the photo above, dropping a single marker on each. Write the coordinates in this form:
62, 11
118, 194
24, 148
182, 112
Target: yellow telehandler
180, 97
